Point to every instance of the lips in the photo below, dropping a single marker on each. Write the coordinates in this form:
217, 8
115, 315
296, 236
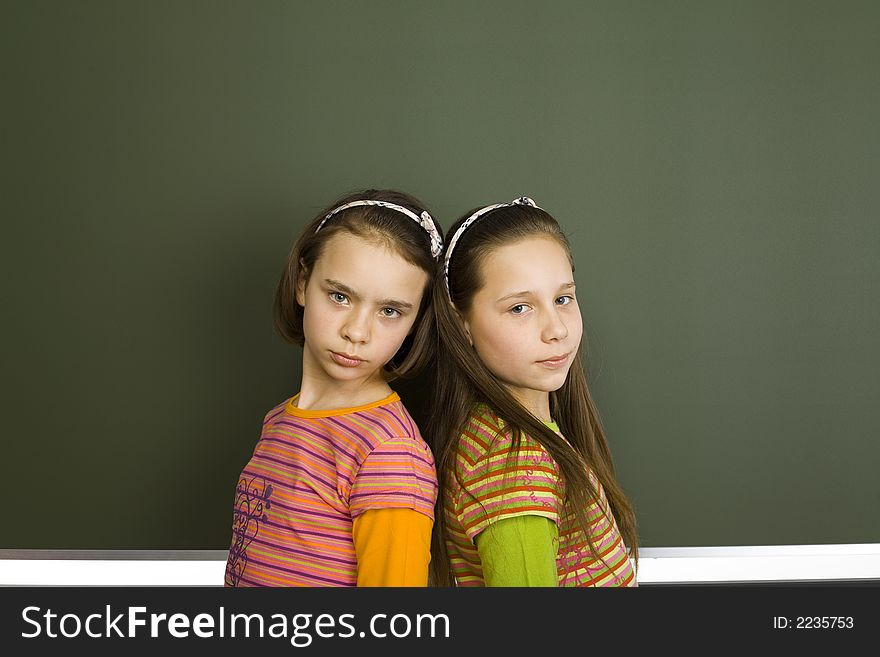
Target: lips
554, 361
346, 360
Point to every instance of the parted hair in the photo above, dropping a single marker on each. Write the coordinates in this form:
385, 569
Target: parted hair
463, 381
377, 225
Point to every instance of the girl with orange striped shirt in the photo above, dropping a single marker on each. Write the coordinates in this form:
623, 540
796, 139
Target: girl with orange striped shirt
340, 490
528, 494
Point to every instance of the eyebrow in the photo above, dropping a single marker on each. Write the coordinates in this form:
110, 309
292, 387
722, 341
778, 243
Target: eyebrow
525, 293
392, 303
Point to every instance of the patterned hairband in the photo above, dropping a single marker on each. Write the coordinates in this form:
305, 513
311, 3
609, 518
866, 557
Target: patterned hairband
424, 220
522, 200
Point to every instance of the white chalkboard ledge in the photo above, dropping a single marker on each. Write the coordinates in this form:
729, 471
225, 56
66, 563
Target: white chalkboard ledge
657, 566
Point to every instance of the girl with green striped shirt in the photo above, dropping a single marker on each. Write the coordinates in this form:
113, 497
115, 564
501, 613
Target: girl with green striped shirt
528, 494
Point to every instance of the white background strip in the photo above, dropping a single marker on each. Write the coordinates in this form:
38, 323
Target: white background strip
687, 565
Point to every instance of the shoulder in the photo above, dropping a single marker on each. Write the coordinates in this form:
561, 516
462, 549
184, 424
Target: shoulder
275, 412
398, 470
482, 432
392, 420
391, 430
496, 478
486, 438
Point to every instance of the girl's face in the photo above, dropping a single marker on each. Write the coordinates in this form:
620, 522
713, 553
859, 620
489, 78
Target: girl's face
524, 323
359, 304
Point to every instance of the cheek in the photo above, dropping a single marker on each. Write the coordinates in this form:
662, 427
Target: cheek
393, 336
499, 344
309, 310
576, 329
309, 324
317, 317
400, 330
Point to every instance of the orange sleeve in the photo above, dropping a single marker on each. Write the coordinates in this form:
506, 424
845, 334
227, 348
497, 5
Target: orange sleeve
393, 547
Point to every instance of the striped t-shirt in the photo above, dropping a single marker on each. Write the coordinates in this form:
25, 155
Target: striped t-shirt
492, 481
311, 474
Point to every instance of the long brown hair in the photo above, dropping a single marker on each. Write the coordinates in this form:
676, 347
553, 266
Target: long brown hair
379, 225
463, 380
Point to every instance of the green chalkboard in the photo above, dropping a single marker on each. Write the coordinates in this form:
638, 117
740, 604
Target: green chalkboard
717, 165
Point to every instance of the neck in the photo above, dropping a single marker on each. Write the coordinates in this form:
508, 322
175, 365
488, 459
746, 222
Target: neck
319, 396
535, 402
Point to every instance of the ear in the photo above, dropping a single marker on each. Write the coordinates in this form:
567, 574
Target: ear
301, 280
467, 331
465, 325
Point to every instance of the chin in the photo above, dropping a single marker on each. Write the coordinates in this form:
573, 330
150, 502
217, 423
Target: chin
340, 373
557, 383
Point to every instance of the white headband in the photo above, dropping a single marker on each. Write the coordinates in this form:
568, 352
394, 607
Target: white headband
522, 200
424, 220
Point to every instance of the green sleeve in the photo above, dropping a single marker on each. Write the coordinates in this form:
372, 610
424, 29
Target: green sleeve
519, 551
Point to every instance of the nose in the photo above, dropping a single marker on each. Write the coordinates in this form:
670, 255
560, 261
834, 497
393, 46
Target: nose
357, 327
554, 328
